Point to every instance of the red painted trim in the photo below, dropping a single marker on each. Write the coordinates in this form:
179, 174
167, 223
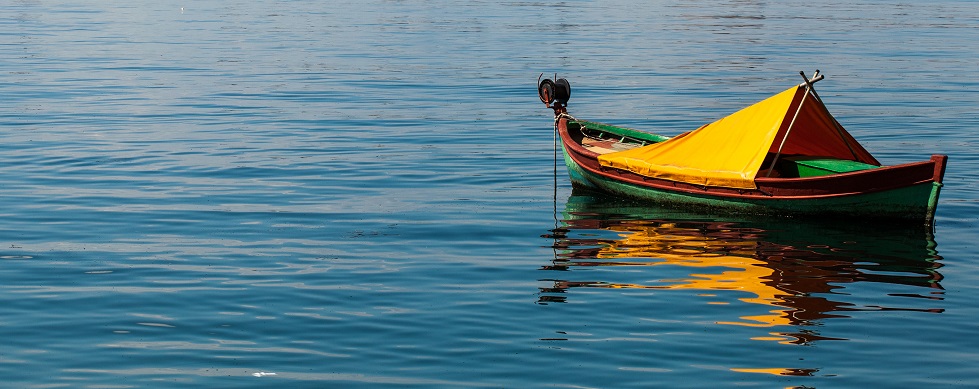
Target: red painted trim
860, 182
940, 162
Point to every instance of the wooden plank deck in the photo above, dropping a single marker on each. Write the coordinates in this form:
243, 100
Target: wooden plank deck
606, 146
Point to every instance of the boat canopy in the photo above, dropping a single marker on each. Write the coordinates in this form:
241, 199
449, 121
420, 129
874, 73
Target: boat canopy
730, 152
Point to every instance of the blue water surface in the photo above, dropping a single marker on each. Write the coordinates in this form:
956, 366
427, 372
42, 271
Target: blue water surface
363, 194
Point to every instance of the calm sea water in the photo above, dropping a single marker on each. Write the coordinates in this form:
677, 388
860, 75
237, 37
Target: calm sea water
362, 194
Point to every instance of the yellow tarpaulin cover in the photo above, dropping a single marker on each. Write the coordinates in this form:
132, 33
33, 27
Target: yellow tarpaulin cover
730, 151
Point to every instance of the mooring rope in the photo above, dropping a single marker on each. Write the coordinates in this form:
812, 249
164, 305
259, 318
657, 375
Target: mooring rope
555, 177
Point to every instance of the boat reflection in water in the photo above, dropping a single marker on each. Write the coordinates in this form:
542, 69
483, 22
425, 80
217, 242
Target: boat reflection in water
796, 267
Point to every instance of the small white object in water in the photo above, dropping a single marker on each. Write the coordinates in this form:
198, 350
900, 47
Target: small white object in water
262, 374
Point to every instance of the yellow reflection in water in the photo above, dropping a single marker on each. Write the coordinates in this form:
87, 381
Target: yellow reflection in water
779, 371
728, 257
676, 246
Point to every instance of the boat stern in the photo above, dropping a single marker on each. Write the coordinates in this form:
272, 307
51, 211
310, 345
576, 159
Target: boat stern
940, 161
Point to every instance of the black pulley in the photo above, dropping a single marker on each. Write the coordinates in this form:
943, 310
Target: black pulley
551, 92
562, 91
546, 91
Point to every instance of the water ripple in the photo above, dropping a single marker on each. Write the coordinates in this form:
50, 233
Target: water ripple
290, 194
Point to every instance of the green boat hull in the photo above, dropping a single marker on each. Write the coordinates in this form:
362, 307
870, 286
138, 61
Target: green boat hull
914, 202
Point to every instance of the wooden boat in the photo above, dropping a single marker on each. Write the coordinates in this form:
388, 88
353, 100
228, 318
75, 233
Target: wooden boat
785, 155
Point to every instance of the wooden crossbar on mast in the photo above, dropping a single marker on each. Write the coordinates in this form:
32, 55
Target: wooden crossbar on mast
809, 88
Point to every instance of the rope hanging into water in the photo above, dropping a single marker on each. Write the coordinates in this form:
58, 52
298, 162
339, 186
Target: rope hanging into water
555, 178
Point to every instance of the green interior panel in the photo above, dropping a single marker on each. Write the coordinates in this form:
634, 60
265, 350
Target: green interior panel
814, 167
